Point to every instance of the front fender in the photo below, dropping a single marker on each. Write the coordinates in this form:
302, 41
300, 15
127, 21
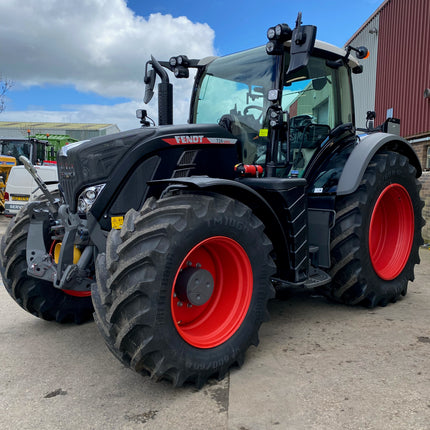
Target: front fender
231, 188
275, 228
364, 151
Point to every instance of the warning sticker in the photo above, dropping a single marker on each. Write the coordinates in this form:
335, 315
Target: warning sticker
117, 222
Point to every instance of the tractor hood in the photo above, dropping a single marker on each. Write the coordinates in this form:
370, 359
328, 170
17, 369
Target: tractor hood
109, 159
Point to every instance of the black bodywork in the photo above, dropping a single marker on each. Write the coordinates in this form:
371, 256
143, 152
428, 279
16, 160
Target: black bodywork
137, 164
141, 163
133, 158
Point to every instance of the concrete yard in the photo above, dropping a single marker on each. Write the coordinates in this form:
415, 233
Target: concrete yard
319, 365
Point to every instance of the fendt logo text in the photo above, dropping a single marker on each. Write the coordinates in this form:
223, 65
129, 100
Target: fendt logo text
192, 140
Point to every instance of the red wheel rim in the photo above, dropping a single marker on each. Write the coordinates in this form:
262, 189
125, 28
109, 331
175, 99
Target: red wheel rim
77, 293
214, 322
391, 232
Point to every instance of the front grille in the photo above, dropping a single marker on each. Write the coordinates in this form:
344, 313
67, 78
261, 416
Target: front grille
67, 178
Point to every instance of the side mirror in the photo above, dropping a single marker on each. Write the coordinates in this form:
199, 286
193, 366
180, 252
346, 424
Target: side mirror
149, 80
302, 44
362, 53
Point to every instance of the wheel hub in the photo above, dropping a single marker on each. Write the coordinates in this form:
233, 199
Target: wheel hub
194, 285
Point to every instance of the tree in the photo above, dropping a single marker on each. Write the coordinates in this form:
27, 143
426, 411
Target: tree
5, 85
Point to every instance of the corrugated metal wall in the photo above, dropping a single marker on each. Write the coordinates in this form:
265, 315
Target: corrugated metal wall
403, 67
364, 84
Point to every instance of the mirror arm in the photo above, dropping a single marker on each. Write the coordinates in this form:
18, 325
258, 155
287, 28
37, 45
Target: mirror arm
159, 70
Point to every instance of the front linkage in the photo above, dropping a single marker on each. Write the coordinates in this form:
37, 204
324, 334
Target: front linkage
66, 259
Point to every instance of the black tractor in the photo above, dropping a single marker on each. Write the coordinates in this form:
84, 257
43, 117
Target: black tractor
177, 236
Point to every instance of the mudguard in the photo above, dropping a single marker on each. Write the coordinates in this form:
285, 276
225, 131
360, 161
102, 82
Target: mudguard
228, 187
363, 152
289, 266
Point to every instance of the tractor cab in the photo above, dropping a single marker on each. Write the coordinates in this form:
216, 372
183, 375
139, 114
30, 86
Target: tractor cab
313, 100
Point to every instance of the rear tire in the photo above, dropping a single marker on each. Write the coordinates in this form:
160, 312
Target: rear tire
39, 298
376, 238
147, 319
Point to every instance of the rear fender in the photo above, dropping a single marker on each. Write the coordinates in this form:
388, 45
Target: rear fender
364, 151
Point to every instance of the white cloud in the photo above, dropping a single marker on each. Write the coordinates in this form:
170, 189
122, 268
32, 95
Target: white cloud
95, 45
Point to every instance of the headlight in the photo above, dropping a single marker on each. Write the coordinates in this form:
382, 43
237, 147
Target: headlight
87, 198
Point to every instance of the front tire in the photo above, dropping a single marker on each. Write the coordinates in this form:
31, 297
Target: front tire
39, 298
183, 288
376, 238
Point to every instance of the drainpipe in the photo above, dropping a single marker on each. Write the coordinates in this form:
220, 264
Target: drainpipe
419, 140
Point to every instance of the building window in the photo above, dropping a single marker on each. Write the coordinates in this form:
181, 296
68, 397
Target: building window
428, 158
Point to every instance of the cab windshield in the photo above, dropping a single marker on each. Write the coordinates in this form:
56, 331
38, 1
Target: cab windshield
236, 84
233, 91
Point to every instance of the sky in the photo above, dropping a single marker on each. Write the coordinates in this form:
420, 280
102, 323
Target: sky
84, 60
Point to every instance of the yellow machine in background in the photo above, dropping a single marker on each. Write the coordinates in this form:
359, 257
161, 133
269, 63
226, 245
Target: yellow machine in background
6, 164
